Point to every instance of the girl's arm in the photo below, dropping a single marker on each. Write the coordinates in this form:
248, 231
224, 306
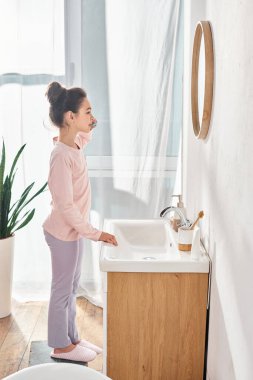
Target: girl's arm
60, 185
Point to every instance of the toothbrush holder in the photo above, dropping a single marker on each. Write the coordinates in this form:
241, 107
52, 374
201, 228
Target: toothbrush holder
185, 238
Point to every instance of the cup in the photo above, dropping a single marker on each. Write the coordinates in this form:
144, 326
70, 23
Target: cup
185, 236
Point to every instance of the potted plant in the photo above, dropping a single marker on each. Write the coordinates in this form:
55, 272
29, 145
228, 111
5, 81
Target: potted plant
11, 220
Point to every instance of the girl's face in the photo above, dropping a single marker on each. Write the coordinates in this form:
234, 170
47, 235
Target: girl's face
83, 119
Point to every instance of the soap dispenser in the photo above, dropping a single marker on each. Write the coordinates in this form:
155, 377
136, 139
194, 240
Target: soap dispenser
175, 220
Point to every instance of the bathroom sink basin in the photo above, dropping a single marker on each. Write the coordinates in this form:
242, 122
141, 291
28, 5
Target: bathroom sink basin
137, 238
146, 245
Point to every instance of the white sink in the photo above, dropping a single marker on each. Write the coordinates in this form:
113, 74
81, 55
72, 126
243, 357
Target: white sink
146, 245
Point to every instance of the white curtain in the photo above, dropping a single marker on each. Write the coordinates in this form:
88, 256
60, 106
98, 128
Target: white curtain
131, 68
33, 54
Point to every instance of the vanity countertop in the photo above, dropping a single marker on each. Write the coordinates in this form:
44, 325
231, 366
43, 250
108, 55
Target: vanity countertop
147, 245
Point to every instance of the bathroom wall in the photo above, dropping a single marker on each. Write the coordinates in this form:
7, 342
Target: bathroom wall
217, 178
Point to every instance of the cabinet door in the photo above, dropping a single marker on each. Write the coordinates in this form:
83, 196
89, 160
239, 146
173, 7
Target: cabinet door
156, 325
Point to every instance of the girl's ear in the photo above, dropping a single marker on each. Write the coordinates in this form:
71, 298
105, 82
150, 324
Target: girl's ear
68, 116
71, 115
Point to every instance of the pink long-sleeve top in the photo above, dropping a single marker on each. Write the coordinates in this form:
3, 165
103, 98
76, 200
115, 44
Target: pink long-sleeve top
69, 186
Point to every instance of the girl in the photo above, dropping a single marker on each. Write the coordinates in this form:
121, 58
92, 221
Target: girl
68, 223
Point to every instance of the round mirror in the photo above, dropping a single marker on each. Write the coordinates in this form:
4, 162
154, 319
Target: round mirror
202, 79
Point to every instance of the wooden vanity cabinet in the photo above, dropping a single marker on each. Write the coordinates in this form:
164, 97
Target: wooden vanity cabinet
156, 325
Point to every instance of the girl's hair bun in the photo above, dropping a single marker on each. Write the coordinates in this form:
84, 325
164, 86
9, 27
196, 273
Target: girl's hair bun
55, 92
62, 100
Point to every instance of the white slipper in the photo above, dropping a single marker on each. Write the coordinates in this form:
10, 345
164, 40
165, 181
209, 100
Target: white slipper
78, 354
91, 346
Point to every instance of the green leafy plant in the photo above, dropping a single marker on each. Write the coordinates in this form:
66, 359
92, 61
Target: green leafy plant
10, 218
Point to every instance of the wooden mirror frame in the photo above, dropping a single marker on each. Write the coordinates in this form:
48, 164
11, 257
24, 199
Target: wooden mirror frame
203, 28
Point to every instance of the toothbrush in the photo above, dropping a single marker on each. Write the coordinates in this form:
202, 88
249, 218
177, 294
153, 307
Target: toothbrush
201, 214
94, 123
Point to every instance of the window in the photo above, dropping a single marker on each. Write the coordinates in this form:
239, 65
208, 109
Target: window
87, 61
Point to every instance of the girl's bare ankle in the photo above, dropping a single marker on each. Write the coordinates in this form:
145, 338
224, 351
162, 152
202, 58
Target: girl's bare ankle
69, 348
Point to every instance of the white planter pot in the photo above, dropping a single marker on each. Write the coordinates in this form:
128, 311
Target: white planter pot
6, 274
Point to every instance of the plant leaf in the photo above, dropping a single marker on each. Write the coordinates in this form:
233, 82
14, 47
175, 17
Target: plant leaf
5, 206
19, 208
15, 161
21, 200
2, 168
26, 221
35, 195
9, 215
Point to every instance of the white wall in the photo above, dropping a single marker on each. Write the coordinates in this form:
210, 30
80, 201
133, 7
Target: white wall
218, 178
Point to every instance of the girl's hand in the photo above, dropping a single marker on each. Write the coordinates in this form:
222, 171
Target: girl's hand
108, 238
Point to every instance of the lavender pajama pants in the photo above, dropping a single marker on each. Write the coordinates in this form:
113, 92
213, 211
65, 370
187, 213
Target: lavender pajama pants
66, 258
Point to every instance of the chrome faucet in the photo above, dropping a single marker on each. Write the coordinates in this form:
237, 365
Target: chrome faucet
184, 222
